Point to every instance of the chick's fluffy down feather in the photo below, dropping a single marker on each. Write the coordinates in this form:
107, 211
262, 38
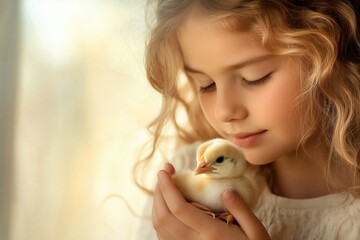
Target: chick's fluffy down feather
220, 166
207, 191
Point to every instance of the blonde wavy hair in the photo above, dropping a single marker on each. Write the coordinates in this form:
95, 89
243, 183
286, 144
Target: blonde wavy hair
322, 36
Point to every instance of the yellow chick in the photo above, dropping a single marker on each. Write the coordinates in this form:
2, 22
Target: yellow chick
220, 165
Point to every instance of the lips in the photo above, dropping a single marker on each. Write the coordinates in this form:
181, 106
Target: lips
248, 139
246, 135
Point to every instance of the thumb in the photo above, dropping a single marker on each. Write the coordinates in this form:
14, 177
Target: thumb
168, 167
250, 224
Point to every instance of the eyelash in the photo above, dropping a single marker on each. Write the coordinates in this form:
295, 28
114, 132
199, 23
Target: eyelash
246, 83
256, 82
207, 88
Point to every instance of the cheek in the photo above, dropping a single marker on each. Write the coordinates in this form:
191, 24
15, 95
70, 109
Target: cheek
207, 104
279, 101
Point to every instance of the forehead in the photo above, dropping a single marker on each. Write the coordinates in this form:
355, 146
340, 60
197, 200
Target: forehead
205, 40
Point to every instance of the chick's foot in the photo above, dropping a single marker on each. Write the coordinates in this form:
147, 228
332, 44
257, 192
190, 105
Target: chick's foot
224, 216
204, 209
227, 217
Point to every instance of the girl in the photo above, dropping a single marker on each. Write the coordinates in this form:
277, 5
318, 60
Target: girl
279, 78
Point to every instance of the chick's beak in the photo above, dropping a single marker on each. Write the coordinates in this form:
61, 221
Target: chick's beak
203, 168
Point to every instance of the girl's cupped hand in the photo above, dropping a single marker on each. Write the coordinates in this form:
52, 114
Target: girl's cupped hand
174, 218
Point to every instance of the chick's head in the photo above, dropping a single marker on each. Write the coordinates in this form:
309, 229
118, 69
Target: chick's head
219, 158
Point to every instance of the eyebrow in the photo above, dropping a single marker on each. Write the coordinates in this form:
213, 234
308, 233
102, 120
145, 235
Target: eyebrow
235, 66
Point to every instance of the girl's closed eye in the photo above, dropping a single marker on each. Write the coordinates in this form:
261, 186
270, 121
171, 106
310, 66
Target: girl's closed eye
257, 82
204, 83
245, 82
210, 87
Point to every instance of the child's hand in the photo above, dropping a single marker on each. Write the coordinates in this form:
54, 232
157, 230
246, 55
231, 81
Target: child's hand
174, 218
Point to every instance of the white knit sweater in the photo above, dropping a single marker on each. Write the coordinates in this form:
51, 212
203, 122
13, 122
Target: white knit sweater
330, 217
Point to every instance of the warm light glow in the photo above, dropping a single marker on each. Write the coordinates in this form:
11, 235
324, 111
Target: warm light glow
83, 107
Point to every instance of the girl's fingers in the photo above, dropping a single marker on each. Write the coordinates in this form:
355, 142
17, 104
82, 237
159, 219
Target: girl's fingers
168, 167
250, 224
159, 211
185, 212
165, 224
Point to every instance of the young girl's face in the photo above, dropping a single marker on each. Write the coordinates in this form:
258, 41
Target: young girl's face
246, 94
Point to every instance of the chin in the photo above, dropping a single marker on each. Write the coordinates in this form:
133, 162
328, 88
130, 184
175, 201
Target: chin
259, 159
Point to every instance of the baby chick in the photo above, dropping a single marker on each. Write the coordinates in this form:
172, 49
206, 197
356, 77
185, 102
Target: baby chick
220, 165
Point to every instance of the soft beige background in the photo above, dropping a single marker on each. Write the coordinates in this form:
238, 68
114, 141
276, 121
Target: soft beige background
82, 106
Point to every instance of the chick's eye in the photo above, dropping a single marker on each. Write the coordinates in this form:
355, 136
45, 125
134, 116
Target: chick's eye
220, 160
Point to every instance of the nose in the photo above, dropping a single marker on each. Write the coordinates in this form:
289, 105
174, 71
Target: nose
229, 105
